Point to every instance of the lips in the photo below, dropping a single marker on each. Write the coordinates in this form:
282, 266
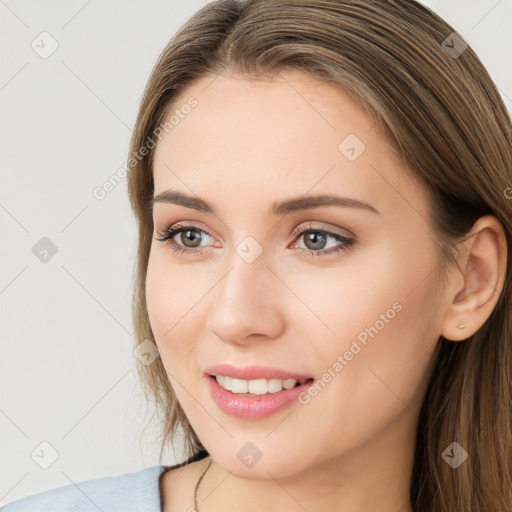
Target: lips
254, 372
254, 407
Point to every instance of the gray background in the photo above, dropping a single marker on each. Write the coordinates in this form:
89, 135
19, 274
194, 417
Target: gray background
67, 371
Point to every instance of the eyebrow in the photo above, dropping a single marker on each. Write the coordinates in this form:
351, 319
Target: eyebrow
278, 208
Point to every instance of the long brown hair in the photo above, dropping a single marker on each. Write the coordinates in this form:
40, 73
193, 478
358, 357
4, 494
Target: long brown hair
434, 97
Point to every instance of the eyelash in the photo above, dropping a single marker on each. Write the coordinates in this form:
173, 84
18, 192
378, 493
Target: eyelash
168, 234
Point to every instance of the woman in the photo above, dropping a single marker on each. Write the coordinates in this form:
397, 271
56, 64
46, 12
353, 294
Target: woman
323, 196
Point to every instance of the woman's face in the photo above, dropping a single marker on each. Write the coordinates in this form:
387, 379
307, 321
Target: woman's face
353, 302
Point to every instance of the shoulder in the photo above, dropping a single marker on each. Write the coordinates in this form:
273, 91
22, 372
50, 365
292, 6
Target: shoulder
127, 492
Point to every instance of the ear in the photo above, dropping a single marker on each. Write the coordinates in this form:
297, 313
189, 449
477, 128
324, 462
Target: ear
476, 286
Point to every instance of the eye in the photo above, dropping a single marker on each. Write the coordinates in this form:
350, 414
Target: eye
187, 235
315, 239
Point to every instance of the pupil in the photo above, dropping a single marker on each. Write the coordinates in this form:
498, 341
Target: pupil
191, 235
318, 240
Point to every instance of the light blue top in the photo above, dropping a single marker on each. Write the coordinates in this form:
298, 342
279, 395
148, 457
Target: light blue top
130, 492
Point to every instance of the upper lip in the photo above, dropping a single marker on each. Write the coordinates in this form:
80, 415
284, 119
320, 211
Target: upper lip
254, 372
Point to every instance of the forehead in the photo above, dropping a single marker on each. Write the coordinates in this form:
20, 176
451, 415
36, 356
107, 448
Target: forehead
242, 113
279, 136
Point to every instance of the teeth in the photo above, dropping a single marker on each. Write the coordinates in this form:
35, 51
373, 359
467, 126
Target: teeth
255, 387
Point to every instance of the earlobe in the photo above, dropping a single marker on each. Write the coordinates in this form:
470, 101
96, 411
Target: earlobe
483, 270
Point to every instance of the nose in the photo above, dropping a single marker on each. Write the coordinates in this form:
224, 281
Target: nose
246, 304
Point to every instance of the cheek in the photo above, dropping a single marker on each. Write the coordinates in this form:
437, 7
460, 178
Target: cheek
384, 338
376, 287
388, 288
170, 297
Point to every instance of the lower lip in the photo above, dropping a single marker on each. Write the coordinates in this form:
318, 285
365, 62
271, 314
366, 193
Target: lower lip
253, 407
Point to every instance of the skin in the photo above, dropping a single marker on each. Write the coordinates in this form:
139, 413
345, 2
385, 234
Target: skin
244, 146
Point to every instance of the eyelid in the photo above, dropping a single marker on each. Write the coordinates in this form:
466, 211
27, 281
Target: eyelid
166, 235
347, 241
344, 233
182, 224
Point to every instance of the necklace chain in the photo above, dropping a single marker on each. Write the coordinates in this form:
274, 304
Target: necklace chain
197, 487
